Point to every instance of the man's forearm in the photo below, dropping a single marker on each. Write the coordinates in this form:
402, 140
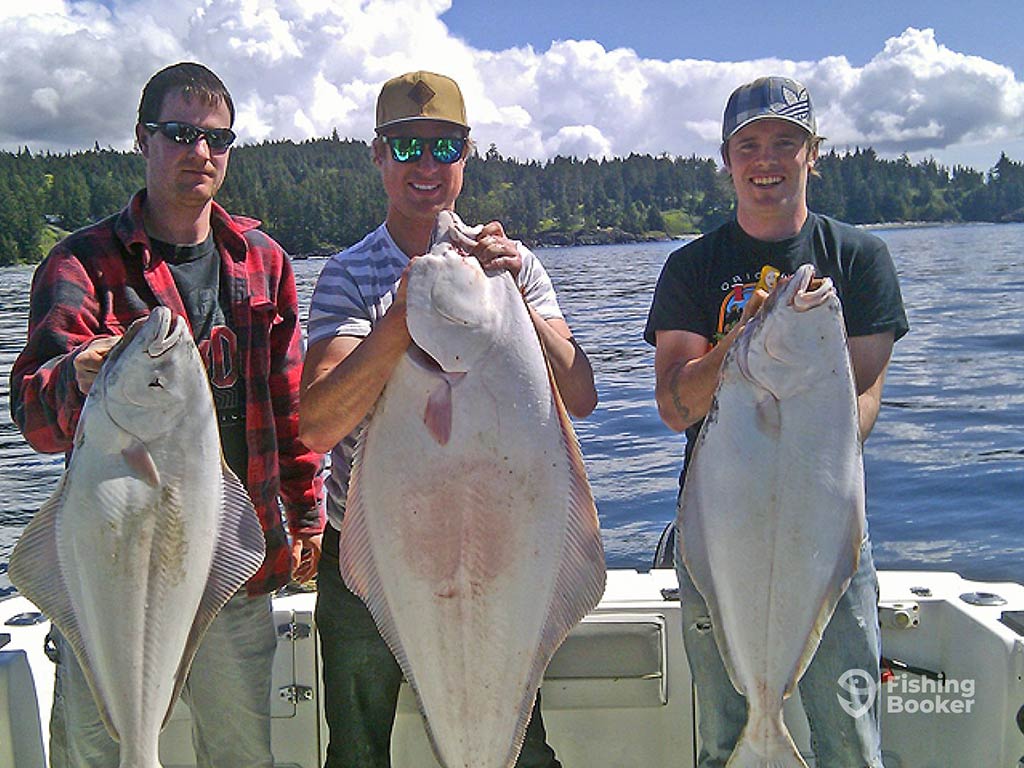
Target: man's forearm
685, 389
569, 365
869, 403
335, 399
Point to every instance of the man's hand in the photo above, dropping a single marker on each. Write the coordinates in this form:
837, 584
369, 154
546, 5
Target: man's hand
753, 305
305, 556
88, 362
399, 302
494, 250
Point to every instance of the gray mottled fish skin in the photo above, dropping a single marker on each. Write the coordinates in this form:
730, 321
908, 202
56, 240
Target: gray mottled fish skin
471, 532
147, 535
772, 511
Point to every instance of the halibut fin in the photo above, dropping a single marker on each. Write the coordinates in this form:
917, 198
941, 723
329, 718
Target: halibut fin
32, 571
136, 455
241, 547
438, 414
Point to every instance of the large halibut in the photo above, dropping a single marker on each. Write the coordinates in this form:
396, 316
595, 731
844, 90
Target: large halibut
772, 510
147, 535
470, 531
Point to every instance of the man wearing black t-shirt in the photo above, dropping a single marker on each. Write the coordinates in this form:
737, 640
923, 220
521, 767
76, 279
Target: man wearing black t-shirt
707, 291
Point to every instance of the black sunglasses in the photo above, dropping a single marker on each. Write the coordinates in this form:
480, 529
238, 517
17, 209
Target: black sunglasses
217, 139
409, 149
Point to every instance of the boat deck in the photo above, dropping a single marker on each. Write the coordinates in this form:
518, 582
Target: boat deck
618, 692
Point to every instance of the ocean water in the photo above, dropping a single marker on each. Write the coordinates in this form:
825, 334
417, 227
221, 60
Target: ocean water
945, 463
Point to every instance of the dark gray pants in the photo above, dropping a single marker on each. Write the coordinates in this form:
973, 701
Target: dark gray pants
228, 693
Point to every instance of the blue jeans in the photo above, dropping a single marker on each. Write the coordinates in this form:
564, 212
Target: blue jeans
362, 678
851, 641
228, 693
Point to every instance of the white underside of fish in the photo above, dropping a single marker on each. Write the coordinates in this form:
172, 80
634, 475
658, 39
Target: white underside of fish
135, 553
772, 512
471, 532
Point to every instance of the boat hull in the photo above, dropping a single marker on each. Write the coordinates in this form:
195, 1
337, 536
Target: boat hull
618, 693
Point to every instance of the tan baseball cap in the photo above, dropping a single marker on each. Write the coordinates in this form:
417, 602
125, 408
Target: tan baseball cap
420, 96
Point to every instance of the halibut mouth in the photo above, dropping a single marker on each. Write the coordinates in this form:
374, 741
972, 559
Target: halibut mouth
167, 333
802, 290
811, 291
165, 330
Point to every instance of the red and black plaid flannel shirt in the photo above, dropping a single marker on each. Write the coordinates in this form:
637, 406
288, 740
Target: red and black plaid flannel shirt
98, 280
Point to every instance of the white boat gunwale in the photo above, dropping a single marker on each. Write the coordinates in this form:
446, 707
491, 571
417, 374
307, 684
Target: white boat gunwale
619, 692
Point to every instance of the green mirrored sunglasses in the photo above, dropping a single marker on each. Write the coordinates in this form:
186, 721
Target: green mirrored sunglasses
409, 149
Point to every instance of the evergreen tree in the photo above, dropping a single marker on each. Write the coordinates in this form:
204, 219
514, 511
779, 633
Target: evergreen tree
324, 194
70, 198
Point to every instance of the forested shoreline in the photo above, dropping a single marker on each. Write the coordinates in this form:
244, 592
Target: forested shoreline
320, 195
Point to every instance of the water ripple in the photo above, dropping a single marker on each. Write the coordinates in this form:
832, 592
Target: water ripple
943, 463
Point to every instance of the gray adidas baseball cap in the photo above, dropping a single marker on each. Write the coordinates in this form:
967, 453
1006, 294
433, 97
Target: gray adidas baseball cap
775, 97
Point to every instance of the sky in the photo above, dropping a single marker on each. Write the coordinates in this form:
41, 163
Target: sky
541, 78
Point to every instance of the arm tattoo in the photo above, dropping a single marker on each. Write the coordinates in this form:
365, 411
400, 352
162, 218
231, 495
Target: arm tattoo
673, 388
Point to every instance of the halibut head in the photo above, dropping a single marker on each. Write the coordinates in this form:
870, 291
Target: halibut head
772, 511
470, 531
147, 535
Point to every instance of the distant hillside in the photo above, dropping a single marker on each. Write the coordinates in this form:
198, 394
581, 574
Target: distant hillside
324, 194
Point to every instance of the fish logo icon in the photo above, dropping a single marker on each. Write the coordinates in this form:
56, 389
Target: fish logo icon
857, 690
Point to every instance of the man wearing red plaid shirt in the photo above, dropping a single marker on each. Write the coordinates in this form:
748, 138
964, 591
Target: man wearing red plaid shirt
174, 246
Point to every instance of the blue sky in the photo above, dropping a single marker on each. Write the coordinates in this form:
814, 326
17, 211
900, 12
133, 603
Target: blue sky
929, 79
799, 29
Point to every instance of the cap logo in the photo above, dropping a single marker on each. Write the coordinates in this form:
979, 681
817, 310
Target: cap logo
421, 93
777, 97
797, 104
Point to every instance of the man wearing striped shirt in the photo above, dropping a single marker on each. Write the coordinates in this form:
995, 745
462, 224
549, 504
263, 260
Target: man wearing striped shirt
357, 335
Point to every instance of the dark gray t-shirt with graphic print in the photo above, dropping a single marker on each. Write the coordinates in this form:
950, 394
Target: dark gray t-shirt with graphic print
705, 284
197, 275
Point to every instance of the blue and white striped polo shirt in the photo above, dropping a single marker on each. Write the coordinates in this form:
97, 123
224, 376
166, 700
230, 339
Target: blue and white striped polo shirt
355, 289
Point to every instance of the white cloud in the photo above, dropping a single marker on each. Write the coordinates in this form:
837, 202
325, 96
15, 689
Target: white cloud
71, 73
578, 141
47, 99
917, 94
